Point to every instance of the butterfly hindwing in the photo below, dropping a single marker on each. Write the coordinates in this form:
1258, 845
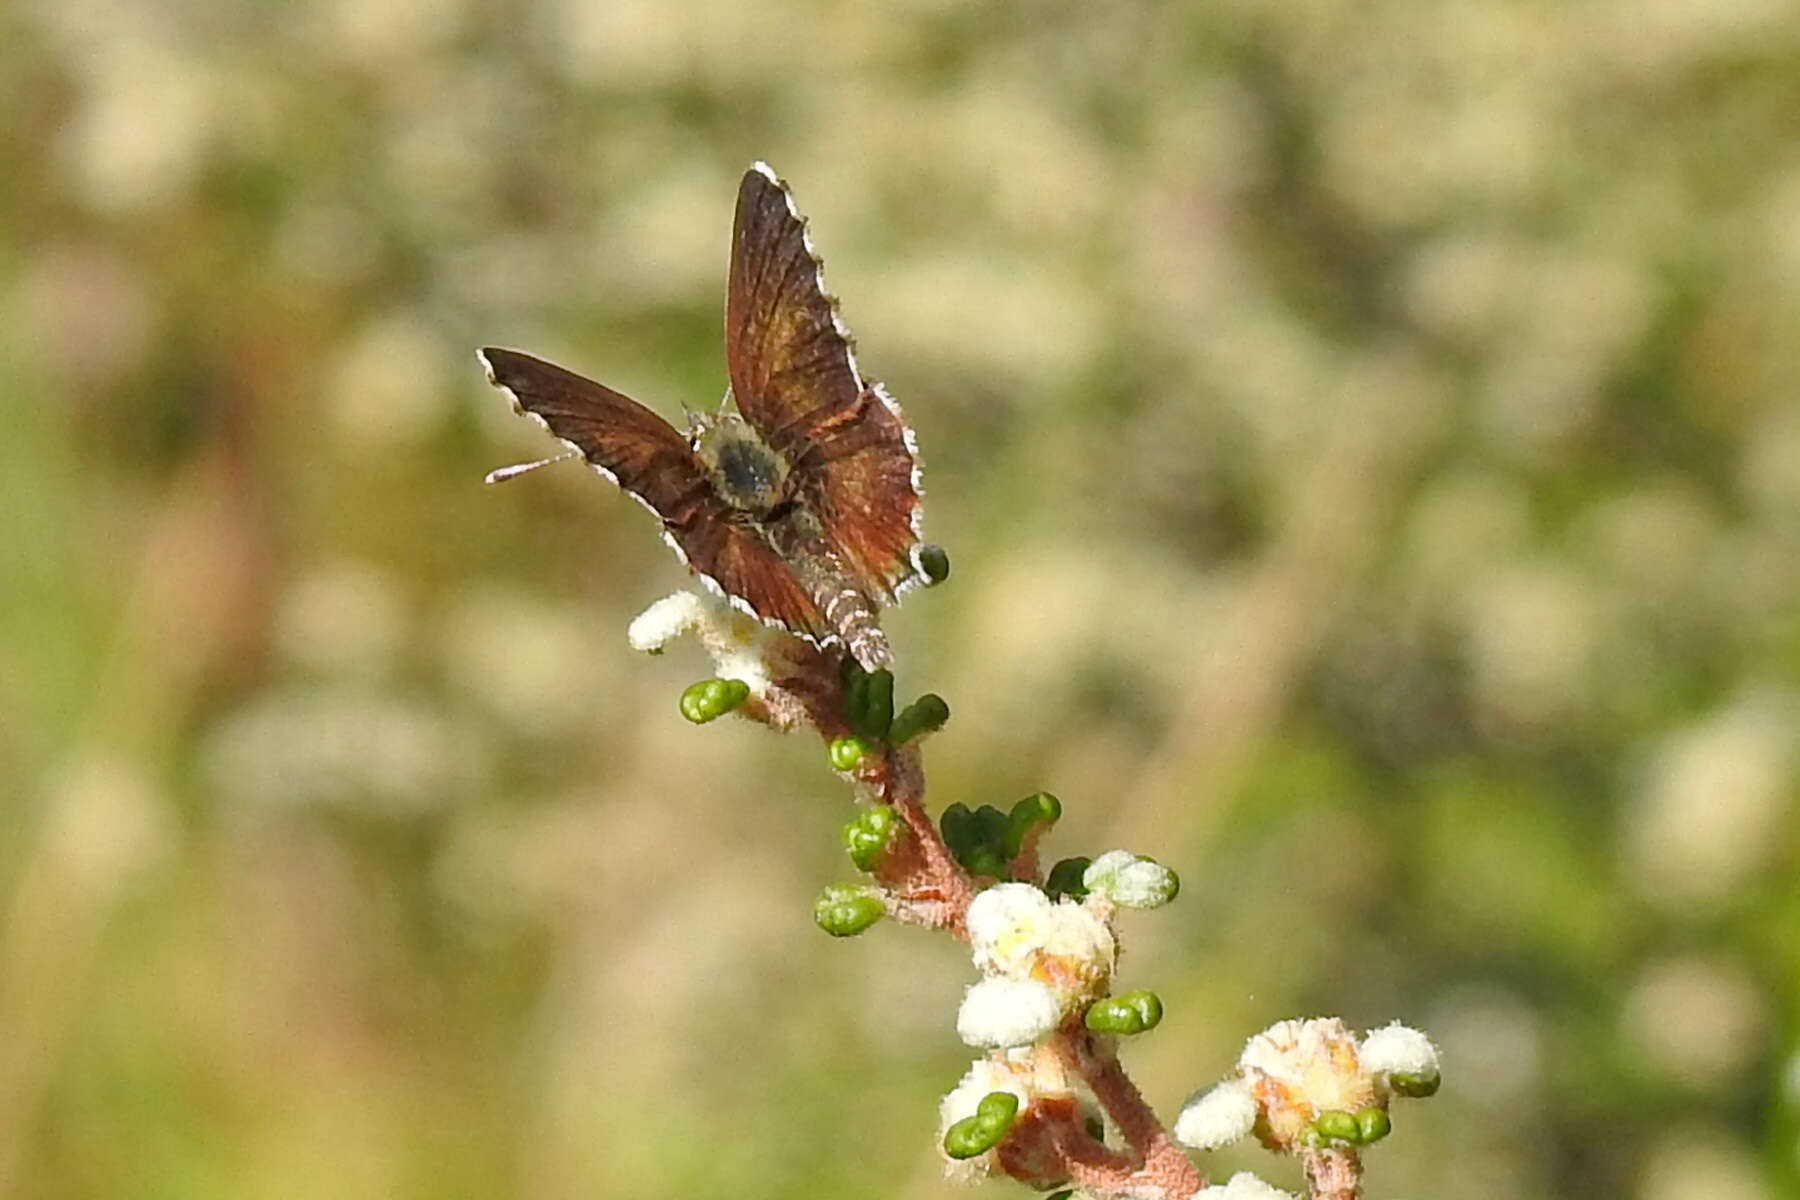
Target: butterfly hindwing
795, 379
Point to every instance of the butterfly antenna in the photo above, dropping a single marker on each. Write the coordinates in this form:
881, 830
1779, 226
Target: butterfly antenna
502, 474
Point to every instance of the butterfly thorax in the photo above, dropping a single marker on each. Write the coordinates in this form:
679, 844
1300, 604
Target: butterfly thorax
747, 474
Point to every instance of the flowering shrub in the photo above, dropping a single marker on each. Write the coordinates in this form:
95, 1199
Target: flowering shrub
1047, 1102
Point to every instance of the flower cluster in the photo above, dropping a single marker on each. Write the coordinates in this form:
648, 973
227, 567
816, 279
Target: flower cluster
1303, 1085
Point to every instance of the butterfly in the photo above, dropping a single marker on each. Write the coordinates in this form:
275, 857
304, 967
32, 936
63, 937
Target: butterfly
798, 499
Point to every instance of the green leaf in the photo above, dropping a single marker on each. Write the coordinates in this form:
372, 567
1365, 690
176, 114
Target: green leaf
711, 699
846, 752
1415, 1086
1372, 1124
867, 837
1335, 1126
1039, 809
1127, 1013
846, 911
925, 715
1065, 878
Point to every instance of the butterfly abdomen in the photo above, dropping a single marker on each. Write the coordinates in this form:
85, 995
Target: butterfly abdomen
850, 615
853, 615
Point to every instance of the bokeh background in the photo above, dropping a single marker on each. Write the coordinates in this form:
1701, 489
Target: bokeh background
1365, 435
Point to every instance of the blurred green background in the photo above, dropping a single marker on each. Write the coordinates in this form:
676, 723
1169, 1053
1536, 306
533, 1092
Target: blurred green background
1365, 434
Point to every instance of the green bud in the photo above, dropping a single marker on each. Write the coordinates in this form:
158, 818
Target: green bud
1131, 880
1127, 1013
867, 837
998, 1109
1372, 1124
925, 715
933, 563
1039, 809
711, 699
1066, 1193
846, 752
980, 1133
969, 1137
1096, 1128
1333, 1125
846, 911
1065, 878
1416, 1086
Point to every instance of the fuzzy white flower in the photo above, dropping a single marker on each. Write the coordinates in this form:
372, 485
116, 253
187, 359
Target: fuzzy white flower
1130, 881
1298, 1069
1008, 924
1017, 932
1243, 1186
998, 1013
1217, 1117
1298, 1051
1398, 1050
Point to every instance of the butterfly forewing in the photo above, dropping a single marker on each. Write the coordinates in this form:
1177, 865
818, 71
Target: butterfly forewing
642, 453
648, 458
795, 380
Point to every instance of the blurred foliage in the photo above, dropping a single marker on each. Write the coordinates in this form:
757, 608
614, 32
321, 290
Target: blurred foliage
1367, 440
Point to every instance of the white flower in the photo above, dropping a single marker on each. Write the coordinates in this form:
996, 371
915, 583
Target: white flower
1130, 881
997, 1013
1397, 1050
1017, 932
1008, 924
1243, 1186
1297, 1051
1218, 1117
1298, 1069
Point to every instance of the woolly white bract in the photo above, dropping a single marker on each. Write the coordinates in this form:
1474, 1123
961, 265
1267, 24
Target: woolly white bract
664, 621
739, 646
1243, 1186
997, 1013
1399, 1050
1218, 1117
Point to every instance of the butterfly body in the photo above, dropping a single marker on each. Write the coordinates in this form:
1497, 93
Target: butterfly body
768, 503
800, 507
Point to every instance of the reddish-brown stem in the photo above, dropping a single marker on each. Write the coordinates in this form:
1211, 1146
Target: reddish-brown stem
937, 888
928, 887
1161, 1162
1333, 1173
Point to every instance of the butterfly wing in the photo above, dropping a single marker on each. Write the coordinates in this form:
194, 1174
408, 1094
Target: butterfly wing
653, 463
796, 382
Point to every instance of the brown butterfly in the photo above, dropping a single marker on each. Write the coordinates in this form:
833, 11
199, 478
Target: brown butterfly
801, 507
